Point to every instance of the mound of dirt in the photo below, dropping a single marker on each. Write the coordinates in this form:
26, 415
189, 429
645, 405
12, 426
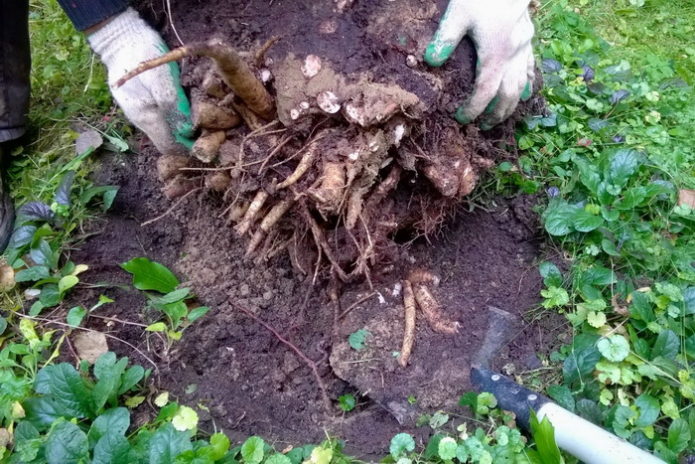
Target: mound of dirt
352, 143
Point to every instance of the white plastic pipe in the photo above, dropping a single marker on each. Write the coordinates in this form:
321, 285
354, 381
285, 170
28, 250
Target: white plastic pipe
590, 443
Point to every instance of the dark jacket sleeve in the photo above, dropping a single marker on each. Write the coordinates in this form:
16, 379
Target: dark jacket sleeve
86, 13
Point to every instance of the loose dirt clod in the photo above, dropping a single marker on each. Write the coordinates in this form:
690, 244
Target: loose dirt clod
90, 345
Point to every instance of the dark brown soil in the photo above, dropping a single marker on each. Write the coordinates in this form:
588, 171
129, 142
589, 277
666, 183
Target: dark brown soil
248, 380
252, 383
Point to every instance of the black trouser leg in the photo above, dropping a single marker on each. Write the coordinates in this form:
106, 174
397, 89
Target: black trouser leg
15, 62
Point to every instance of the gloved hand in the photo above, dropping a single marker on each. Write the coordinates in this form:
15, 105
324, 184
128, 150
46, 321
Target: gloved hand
154, 101
501, 31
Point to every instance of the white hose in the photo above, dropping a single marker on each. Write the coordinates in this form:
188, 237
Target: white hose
590, 443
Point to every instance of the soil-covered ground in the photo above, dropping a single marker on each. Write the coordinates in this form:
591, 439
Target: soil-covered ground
250, 381
247, 378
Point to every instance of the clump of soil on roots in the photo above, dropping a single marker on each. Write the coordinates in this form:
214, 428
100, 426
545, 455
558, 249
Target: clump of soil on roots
299, 229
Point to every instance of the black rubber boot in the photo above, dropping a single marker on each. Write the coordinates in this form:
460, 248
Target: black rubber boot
6, 210
15, 63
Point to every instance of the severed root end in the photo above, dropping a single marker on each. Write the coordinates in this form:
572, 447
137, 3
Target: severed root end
409, 332
231, 67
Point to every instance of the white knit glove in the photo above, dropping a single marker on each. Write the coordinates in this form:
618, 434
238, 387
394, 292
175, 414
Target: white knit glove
501, 31
154, 101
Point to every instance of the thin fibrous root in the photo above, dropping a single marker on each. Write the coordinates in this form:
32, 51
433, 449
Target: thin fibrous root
274, 215
354, 207
433, 311
251, 213
303, 166
409, 332
232, 68
322, 245
310, 363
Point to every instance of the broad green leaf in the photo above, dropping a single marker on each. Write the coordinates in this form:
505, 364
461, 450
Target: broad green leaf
167, 443
559, 218
219, 443
562, 396
358, 338
76, 315
42, 254
347, 402
67, 282
666, 345
66, 390
402, 444
108, 371
648, 408
197, 313
679, 434
447, 448
688, 301
175, 311
614, 347
150, 275
172, 297
50, 296
277, 459
544, 435
185, 419
112, 449
131, 377
32, 274
552, 277
622, 165
253, 450
583, 221
66, 443
156, 327
111, 422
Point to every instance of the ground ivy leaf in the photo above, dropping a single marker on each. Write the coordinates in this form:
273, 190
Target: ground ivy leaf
358, 338
278, 459
167, 443
596, 319
151, 275
252, 450
66, 443
614, 348
648, 408
185, 419
447, 448
401, 444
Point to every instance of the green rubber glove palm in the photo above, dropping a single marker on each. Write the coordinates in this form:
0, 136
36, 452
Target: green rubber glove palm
501, 31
